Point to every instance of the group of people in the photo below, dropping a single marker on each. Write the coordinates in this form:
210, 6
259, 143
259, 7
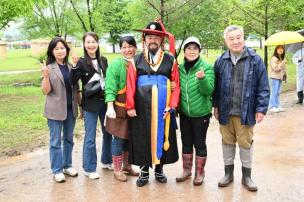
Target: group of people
138, 96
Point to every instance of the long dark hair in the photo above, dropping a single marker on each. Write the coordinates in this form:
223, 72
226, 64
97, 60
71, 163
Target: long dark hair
275, 53
50, 56
86, 55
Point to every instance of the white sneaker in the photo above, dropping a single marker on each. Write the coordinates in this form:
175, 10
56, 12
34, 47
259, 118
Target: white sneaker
92, 175
106, 166
59, 177
274, 109
281, 109
70, 172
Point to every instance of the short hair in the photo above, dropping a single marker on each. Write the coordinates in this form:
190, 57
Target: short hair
232, 28
128, 39
50, 56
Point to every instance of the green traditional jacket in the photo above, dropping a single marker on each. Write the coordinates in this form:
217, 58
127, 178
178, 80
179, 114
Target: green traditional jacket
116, 77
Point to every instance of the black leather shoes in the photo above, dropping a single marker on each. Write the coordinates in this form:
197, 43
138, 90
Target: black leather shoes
143, 178
160, 177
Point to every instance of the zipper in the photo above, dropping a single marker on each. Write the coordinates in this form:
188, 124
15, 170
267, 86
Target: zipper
188, 106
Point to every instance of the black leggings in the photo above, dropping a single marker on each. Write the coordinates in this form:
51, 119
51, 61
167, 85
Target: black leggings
193, 132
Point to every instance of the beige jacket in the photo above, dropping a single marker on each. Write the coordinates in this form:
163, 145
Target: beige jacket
277, 68
56, 102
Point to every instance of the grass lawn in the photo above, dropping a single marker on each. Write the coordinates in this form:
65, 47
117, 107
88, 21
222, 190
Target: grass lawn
19, 60
21, 125
22, 59
30, 77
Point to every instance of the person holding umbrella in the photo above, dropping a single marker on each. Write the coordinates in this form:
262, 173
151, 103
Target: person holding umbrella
296, 39
277, 75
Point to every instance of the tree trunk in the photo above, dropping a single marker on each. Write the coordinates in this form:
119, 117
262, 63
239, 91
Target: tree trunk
266, 37
113, 47
181, 45
162, 11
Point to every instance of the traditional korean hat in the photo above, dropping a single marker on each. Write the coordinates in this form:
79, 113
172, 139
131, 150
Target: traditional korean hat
157, 28
153, 28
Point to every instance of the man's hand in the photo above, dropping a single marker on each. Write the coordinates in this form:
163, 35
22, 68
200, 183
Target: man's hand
216, 113
131, 113
200, 74
259, 117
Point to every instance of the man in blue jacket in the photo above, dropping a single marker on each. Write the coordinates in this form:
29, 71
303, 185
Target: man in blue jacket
240, 101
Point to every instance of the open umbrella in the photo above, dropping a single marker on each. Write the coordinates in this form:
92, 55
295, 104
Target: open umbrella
296, 46
283, 38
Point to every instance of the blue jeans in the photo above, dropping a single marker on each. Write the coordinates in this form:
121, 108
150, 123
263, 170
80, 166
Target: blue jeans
89, 146
61, 158
275, 93
119, 145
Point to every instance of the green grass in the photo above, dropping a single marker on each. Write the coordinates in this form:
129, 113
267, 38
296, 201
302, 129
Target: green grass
19, 60
22, 60
21, 123
30, 77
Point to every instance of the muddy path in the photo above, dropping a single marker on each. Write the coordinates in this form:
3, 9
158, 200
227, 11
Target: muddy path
278, 170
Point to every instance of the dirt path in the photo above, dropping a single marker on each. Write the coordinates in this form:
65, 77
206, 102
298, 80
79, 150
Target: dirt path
278, 170
17, 72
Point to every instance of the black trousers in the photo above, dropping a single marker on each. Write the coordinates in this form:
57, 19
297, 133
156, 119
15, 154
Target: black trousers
193, 132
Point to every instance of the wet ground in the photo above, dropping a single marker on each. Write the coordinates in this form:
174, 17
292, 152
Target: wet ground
278, 170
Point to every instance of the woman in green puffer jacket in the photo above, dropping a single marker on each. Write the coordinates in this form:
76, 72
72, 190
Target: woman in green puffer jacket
196, 84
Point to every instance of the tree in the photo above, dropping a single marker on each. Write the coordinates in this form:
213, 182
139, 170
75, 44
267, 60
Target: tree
169, 11
10, 10
204, 19
90, 17
116, 20
49, 18
265, 17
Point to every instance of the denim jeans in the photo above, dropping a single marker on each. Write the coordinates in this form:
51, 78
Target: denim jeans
119, 145
275, 93
89, 145
61, 158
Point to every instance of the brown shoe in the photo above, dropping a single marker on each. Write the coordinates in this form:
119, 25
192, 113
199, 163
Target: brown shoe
199, 170
118, 174
187, 167
127, 167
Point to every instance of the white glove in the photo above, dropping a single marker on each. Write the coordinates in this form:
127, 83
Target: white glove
111, 112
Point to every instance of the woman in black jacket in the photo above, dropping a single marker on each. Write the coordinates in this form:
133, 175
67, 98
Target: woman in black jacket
90, 68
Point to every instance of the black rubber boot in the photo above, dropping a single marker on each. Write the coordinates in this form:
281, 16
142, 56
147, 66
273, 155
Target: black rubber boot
159, 174
247, 181
228, 178
143, 178
300, 97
